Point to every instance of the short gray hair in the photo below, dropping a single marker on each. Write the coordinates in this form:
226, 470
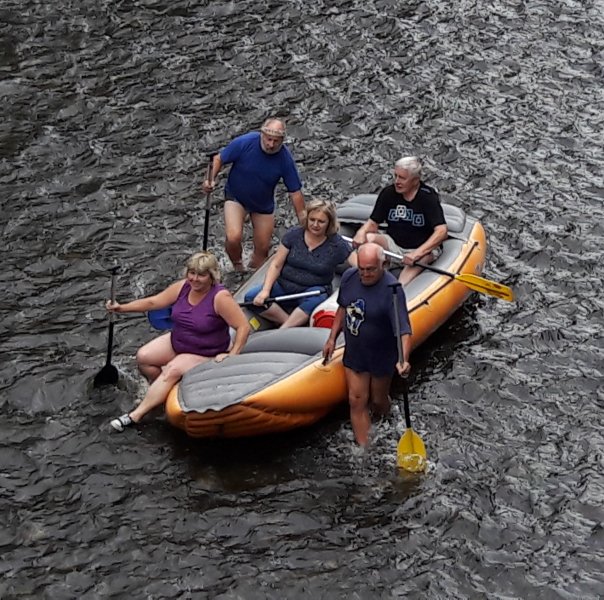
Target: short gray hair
274, 126
411, 164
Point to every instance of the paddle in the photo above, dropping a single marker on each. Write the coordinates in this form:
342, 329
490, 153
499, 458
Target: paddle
286, 297
160, 318
206, 223
108, 375
474, 282
410, 452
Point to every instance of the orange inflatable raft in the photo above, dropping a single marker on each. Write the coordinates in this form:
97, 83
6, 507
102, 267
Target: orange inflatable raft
279, 381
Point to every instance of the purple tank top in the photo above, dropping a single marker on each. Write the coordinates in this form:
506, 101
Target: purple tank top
197, 328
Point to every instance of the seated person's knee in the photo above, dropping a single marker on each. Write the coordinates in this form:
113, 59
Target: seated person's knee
171, 372
309, 304
143, 357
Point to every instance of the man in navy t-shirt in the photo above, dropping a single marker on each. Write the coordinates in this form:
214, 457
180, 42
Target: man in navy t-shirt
366, 313
415, 222
259, 160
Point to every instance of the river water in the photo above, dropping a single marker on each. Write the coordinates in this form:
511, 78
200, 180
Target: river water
108, 108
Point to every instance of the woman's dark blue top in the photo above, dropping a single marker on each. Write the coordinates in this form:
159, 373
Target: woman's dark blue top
306, 268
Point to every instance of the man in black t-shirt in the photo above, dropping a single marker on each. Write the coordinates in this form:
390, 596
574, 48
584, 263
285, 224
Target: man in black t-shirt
415, 222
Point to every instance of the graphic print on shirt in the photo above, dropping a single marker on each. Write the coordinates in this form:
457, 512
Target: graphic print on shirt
355, 315
403, 213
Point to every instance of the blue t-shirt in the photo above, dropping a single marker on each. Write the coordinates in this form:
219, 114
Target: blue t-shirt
254, 173
306, 268
369, 324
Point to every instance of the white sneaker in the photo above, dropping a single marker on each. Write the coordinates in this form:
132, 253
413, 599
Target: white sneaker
122, 422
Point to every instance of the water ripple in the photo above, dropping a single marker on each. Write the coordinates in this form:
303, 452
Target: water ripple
109, 109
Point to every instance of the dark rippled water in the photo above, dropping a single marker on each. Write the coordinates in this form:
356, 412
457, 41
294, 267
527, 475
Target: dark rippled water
107, 111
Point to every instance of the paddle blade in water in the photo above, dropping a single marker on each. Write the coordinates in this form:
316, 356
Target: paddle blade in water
413, 463
486, 286
108, 375
411, 452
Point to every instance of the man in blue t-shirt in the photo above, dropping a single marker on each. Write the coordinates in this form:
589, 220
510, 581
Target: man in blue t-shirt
366, 313
415, 222
259, 160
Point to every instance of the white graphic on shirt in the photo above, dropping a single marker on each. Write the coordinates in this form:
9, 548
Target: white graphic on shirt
402, 213
355, 315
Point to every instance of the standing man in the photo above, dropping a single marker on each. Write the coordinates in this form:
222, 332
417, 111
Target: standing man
415, 222
365, 310
259, 160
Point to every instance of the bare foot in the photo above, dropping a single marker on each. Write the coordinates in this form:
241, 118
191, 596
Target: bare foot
256, 262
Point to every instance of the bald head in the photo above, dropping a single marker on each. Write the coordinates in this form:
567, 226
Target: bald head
272, 134
370, 260
371, 253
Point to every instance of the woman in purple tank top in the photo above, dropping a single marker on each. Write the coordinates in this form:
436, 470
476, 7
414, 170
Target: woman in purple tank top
202, 312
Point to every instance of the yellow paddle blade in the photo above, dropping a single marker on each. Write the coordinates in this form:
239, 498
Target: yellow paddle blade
486, 286
411, 452
413, 463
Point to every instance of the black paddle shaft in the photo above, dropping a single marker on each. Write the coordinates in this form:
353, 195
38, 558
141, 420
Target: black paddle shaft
206, 224
114, 271
397, 320
110, 341
406, 403
399, 345
108, 375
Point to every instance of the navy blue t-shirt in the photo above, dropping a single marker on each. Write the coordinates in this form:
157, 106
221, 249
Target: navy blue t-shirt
306, 268
254, 173
369, 325
410, 224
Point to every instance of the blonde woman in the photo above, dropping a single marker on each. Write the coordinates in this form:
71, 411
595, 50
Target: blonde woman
202, 312
306, 260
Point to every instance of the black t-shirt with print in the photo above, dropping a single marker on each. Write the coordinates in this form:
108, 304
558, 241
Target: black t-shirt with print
409, 224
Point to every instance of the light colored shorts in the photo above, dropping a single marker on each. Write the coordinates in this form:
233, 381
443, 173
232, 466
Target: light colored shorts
396, 249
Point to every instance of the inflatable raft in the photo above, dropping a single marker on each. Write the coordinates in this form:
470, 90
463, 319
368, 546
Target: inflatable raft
279, 381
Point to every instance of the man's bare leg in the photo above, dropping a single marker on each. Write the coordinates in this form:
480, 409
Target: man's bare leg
358, 398
264, 226
379, 399
409, 272
234, 217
